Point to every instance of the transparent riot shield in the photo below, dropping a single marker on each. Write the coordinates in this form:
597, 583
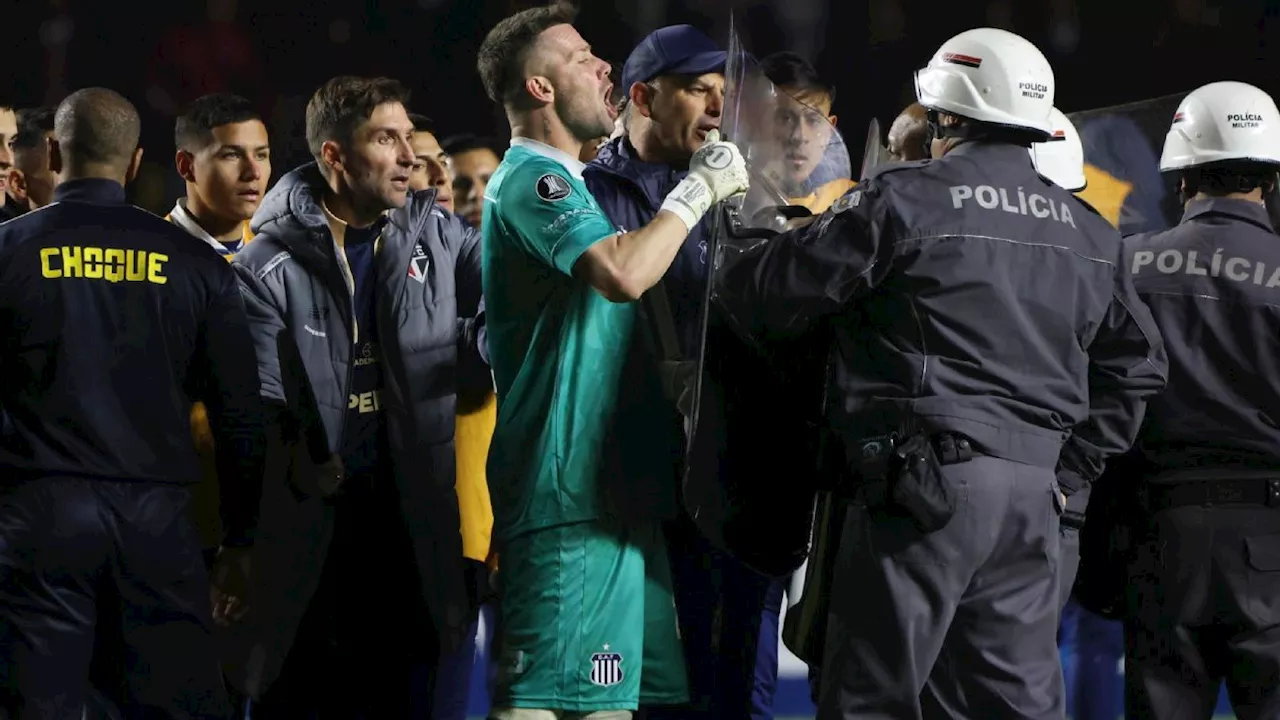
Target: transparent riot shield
798, 161
750, 470
875, 154
1122, 145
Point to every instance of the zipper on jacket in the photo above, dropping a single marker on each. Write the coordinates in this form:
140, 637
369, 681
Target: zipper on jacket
355, 328
924, 348
350, 279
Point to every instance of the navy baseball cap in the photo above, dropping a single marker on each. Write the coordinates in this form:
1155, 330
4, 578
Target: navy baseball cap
672, 50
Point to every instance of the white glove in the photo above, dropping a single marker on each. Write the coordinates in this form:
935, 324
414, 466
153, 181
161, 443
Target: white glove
716, 172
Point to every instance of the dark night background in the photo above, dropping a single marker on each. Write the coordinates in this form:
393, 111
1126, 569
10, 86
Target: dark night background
1105, 52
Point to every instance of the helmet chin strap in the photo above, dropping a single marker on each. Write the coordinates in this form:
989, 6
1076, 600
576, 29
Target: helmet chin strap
938, 131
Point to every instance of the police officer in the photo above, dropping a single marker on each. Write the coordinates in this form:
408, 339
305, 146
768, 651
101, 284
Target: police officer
984, 334
113, 323
1204, 584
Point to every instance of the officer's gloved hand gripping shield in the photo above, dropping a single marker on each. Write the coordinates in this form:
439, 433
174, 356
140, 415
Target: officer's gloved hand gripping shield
798, 165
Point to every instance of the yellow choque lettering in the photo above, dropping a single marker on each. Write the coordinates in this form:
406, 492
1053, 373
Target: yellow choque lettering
96, 263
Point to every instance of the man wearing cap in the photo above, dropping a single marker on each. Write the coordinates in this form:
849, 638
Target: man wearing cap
674, 84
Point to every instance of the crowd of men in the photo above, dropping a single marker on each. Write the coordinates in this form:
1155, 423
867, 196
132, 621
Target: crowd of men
279, 452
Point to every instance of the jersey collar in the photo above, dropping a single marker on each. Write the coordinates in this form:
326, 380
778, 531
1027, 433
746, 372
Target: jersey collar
570, 163
181, 217
90, 190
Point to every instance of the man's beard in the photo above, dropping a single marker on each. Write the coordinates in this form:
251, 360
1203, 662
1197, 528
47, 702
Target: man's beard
581, 118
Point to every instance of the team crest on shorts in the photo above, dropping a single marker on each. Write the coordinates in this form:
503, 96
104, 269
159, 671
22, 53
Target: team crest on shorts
606, 668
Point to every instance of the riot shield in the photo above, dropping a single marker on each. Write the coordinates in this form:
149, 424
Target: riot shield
798, 161
1122, 145
749, 480
875, 154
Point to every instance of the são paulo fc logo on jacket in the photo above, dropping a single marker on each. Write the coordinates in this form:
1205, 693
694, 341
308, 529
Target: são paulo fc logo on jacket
606, 668
418, 264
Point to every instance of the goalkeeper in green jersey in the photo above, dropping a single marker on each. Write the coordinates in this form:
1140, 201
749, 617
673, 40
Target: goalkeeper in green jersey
582, 468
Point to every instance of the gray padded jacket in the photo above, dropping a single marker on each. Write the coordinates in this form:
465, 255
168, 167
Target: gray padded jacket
294, 278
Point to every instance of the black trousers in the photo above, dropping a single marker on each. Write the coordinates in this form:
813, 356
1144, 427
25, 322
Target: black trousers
1204, 607
104, 604
366, 647
959, 623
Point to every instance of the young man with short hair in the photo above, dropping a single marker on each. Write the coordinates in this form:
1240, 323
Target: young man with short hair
31, 181
476, 415
816, 168
432, 166
474, 161
224, 156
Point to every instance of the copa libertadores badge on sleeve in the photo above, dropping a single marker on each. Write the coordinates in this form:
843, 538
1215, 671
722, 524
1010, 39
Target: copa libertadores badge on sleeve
552, 188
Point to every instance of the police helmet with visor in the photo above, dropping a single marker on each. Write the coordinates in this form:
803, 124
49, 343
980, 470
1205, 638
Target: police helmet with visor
990, 76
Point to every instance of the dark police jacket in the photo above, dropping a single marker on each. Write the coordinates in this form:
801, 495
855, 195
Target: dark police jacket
1213, 286
970, 295
114, 321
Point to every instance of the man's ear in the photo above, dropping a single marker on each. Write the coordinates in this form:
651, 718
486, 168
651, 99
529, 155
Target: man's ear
186, 164
642, 98
540, 89
17, 186
331, 154
55, 156
831, 119
135, 164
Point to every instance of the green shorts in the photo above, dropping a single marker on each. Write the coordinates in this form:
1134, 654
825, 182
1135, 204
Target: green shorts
589, 620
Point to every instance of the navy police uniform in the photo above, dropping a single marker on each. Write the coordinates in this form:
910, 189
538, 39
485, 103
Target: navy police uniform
983, 326
1204, 582
113, 322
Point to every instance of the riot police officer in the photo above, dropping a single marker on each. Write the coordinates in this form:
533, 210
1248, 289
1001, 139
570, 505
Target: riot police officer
984, 334
1204, 581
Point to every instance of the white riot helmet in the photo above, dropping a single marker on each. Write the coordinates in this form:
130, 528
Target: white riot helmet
1220, 122
992, 76
1061, 158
